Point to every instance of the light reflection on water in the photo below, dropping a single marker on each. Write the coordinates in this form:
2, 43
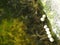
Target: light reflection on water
54, 6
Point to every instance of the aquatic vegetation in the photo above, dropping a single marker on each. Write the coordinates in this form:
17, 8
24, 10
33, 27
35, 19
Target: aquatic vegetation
20, 23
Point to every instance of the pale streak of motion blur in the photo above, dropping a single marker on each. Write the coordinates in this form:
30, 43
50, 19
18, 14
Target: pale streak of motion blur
52, 9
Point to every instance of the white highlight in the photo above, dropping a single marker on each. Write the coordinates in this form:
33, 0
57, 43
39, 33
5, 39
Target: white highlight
44, 16
42, 19
51, 39
45, 26
48, 33
49, 36
47, 29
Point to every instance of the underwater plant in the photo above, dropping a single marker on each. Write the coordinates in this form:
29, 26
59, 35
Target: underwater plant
24, 22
